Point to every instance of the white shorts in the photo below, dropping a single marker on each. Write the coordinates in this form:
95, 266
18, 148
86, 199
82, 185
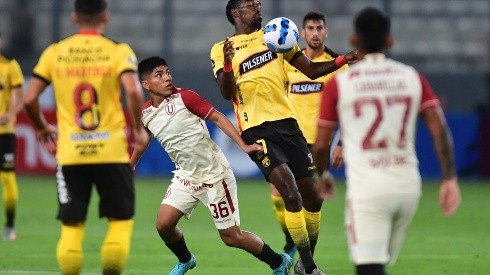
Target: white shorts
376, 227
219, 195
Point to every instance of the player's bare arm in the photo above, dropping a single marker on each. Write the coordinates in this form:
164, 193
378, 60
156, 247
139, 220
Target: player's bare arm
449, 194
18, 105
46, 133
226, 79
134, 100
138, 152
314, 70
227, 127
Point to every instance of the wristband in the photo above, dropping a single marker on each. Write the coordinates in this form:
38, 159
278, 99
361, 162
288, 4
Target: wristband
340, 61
227, 68
324, 176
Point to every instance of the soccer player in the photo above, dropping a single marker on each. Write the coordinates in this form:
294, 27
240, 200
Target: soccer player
11, 102
175, 117
86, 71
376, 103
253, 77
304, 97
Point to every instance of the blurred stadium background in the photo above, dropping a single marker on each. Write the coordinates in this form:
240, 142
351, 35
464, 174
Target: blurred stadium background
448, 40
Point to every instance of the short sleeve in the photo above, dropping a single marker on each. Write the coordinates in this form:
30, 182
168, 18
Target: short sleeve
44, 66
429, 98
328, 105
217, 57
16, 76
127, 58
196, 104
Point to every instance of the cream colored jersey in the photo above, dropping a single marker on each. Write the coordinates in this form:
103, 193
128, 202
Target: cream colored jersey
304, 94
10, 77
259, 73
85, 70
178, 125
377, 102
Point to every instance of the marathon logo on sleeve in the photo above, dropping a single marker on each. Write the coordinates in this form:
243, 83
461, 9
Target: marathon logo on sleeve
256, 61
306, 87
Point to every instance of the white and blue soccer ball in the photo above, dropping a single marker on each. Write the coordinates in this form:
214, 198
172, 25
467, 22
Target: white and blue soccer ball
281, 35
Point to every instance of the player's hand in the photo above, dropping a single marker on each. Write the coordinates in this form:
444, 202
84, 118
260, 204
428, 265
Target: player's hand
326, 187
5, 118
253, 148
337, 159
48, 138
449, 196
228, 50
351, 57
141, 139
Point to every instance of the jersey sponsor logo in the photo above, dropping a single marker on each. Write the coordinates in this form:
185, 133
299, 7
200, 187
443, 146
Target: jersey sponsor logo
89, 149
90, 136
170, 109
147, 111
306, 87
241, 47
256, 61
167, 194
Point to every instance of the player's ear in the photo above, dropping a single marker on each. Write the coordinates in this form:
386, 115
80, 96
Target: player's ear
303, 33
74, 17
106, 17
389, 42
145, 84
354, 41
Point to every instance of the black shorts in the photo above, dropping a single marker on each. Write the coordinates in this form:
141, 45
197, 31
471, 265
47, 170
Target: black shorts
7, 152
113, 182
283, 142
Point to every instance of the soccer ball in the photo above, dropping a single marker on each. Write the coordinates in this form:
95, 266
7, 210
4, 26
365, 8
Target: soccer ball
281, 35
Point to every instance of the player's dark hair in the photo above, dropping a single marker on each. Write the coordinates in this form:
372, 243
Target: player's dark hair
314, 16
90, 11
147, 65
372, 27
232, 4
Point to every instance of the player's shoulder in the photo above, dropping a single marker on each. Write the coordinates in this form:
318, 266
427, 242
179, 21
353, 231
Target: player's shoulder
6, 59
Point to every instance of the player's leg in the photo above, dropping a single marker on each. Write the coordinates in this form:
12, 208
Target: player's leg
177, 203
408, 208
222, 200
115, 186
368, 226
279, 208
10, 196
8, 180
74, 189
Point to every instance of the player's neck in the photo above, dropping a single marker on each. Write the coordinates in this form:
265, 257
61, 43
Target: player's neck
91, 29
314, 53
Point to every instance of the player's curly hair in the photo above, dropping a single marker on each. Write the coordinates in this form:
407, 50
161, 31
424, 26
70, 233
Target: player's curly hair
372, 27
232, 4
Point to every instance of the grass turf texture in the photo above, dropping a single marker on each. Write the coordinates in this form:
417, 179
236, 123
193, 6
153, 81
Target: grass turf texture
434, 245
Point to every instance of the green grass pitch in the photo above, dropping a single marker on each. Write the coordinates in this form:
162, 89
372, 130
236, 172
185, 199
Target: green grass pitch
434, 244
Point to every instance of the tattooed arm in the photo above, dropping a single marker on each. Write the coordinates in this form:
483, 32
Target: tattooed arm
449, 195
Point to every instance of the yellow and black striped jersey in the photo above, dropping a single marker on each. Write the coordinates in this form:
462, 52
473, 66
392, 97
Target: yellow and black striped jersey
259, 73
85, 70
10, 77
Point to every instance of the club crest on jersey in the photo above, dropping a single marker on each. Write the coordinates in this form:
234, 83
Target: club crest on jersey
256, 61
170, 109
306, 87
266, 161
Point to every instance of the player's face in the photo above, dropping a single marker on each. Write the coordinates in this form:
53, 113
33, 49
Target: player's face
159, 82
250, 13
314, 33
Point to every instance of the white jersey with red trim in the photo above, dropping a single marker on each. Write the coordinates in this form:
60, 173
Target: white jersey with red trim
178, 124
377, 102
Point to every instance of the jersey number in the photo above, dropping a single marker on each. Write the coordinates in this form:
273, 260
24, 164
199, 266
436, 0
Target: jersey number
220, 210
87, 115
369, 142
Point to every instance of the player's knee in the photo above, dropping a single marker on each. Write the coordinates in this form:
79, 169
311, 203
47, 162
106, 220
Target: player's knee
293, 201
231, 237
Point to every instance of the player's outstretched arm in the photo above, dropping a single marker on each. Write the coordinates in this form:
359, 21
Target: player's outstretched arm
449, 194
314, 70
227, 127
